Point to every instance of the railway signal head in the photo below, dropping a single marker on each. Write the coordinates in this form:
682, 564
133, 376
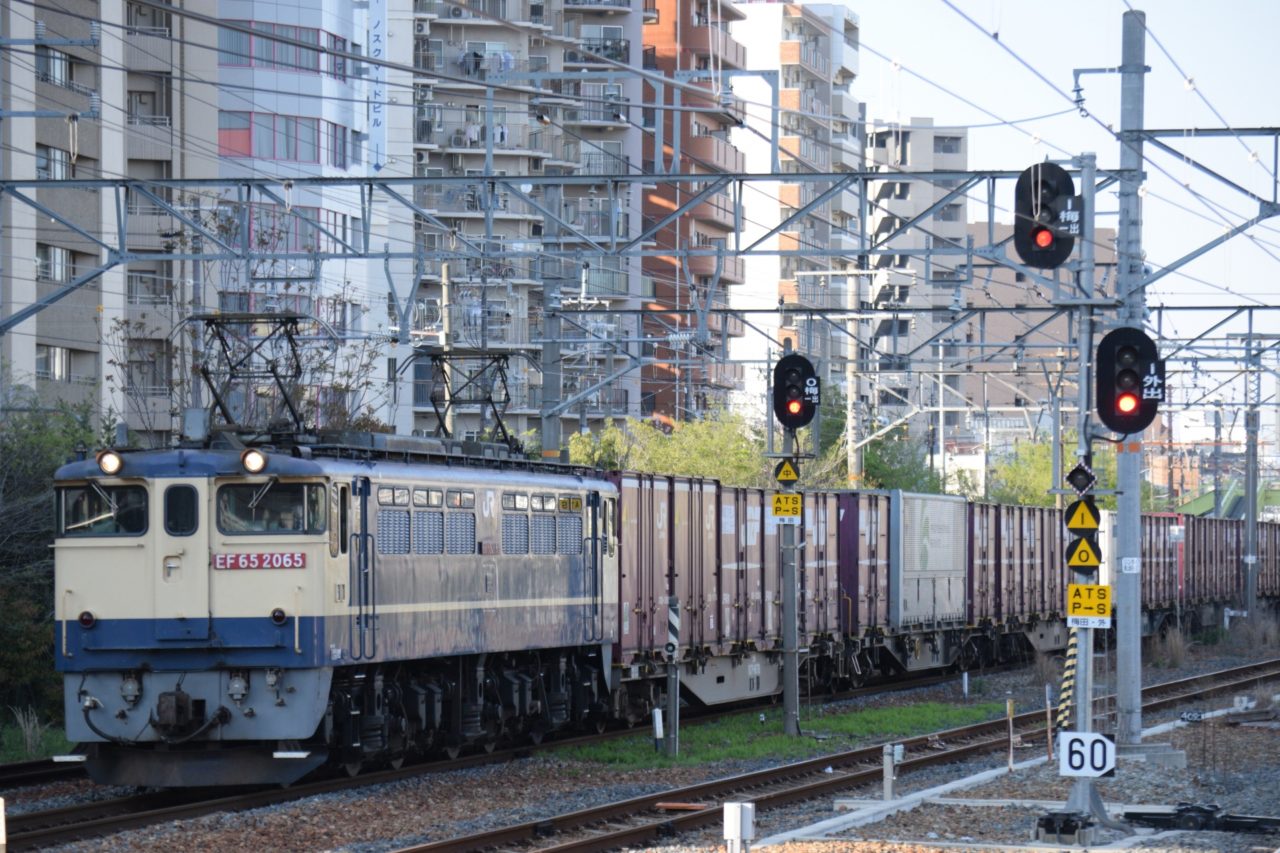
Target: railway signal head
1046, 216
796, 391
1129, 380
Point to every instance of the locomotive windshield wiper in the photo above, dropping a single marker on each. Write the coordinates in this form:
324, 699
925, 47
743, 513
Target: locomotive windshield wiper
261, 493
106, 496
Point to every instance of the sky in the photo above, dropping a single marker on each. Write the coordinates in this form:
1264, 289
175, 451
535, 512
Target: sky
1228, 51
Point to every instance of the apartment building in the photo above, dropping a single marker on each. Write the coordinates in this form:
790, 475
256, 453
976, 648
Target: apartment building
92, 91
505, 88
812, 49
691, 44
912, 292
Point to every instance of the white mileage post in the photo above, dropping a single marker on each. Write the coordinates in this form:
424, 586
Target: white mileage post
786, 508
1088, 605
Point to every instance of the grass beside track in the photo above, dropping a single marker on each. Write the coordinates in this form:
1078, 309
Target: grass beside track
744, 737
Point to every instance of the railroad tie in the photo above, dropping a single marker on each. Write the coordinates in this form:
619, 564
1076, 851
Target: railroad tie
1068, 683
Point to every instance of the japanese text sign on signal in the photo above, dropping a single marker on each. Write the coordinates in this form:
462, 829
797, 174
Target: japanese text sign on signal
1082, 553
1082, 516
786, 508
1088, 605
786, 472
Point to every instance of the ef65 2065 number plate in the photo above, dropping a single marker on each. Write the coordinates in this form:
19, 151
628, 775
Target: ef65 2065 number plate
261, 560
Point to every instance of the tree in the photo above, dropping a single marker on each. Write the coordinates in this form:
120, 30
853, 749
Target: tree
34, 442
896, 461
720, 446
1026, 476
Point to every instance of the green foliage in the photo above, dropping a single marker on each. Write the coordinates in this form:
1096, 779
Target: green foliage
743, 737
1026, 476
896, 461
34, 442
15, 745
721, 446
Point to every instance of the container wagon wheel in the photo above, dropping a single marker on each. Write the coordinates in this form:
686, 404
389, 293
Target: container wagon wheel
352, 768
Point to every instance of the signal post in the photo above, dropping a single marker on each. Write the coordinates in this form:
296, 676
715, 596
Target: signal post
797, 392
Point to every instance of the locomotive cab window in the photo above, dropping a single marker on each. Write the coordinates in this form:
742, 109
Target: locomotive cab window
181, 516
271, 507
97, 510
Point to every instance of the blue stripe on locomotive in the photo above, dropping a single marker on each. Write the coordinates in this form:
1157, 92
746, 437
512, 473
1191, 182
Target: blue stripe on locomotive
234, 642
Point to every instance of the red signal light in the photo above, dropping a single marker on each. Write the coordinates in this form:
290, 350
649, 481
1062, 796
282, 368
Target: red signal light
794, 407
1043, 238
1127, 404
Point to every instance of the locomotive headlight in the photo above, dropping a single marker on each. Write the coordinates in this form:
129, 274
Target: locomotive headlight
130, 689
238, 686
110, 462
254, 461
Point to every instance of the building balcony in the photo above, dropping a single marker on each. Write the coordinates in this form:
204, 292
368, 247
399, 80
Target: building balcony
149, 138
732, 272
651, 11
806, 56
460, 200
842, 241
148, 49
717, 210
845, 106
716, 152
728, 376
598, 115
599, 52
483, 11
712, 40
607, 7
723, 104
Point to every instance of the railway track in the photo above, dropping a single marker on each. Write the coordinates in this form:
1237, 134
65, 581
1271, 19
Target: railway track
105, 817
19, 773
644, 820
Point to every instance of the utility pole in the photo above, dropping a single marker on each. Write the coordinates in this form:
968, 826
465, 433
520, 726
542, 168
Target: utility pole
1253, 394
1128, 586
552, 371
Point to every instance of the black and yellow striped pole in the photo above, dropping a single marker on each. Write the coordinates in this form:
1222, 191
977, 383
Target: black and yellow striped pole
1068, 689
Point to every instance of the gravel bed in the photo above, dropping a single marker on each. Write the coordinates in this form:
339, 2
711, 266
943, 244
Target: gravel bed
1238, 769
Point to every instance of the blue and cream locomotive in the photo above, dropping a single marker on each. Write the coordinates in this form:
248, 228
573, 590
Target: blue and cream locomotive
238, 615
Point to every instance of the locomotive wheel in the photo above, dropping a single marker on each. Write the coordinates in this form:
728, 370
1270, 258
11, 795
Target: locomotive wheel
352, 768
452, 751
397, 762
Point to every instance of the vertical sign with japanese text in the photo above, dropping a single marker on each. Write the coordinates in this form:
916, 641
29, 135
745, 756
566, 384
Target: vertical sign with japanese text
377, 84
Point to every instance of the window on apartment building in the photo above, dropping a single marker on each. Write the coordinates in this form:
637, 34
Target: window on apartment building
949, 213
336, 66
233, 45
52, 66
52, 164
53, 263
272, 46
53, 363
336, 145
902, 189
234, 134
946, 145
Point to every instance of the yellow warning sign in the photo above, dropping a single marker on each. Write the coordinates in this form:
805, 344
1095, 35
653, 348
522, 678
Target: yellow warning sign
786, 472
1085, 599
1082, 515
1083, 554
786, 505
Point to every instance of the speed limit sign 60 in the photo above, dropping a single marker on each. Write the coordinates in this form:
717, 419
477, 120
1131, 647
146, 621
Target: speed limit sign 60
1081, 754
